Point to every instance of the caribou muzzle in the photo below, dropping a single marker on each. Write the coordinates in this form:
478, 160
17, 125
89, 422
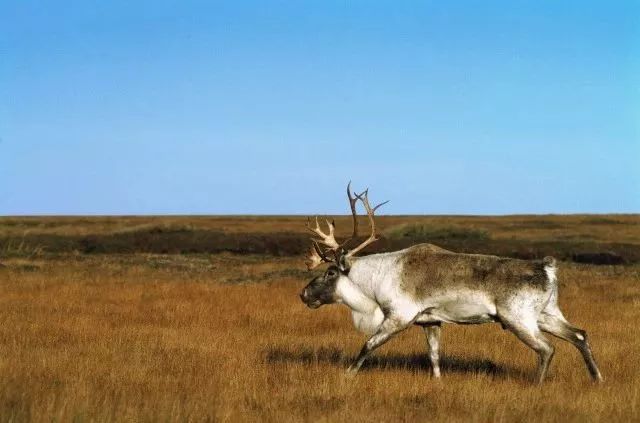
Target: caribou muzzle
309, 300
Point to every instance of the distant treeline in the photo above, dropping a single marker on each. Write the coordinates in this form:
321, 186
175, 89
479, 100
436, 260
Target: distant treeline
163, 240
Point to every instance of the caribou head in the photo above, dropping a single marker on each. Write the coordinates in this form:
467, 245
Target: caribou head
325, 249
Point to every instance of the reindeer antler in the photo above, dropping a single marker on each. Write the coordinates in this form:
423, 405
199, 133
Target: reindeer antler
327, 239
364, 198
353, 200
317, 255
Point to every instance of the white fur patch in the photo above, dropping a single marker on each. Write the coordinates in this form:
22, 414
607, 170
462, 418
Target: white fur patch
367, 323
461, 306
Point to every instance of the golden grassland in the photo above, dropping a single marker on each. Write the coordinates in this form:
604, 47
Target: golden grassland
225, 337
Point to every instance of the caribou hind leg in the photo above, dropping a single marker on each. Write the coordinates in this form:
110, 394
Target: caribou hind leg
559, 327
526, 329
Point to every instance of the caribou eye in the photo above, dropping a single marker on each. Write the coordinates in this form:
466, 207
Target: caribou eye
332, 273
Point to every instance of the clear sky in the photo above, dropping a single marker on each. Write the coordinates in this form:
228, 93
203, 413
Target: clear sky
271, 107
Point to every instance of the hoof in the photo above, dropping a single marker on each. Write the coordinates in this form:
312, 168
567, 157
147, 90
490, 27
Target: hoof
350, 373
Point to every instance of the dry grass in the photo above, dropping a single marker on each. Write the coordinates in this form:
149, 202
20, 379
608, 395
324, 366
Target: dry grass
225, 338
603, 228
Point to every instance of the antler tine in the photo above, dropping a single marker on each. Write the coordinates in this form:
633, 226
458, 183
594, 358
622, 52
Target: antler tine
327, 239
352, 203
380, 205
353, 200
364, 198
316, 257
318, 250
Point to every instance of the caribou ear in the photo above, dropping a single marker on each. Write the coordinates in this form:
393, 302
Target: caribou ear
344, 264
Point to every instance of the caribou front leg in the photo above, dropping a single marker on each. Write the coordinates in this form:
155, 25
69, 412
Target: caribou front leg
388, 329
433, 340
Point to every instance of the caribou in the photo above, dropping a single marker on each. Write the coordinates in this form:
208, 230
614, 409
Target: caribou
426, 285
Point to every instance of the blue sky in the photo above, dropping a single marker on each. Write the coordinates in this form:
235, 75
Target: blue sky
474, 107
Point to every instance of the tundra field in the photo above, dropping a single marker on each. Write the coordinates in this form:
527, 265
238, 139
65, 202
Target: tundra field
198, 318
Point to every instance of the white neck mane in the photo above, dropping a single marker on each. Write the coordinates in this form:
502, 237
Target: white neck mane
366, 313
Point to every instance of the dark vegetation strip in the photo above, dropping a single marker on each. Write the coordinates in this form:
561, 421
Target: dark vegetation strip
181, 241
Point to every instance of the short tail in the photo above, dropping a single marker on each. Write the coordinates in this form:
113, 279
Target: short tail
549, 261
550, 269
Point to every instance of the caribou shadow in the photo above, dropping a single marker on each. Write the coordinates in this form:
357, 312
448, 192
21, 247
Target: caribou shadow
410, 362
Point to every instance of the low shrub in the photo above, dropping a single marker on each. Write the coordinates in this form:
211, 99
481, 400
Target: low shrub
424, 233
